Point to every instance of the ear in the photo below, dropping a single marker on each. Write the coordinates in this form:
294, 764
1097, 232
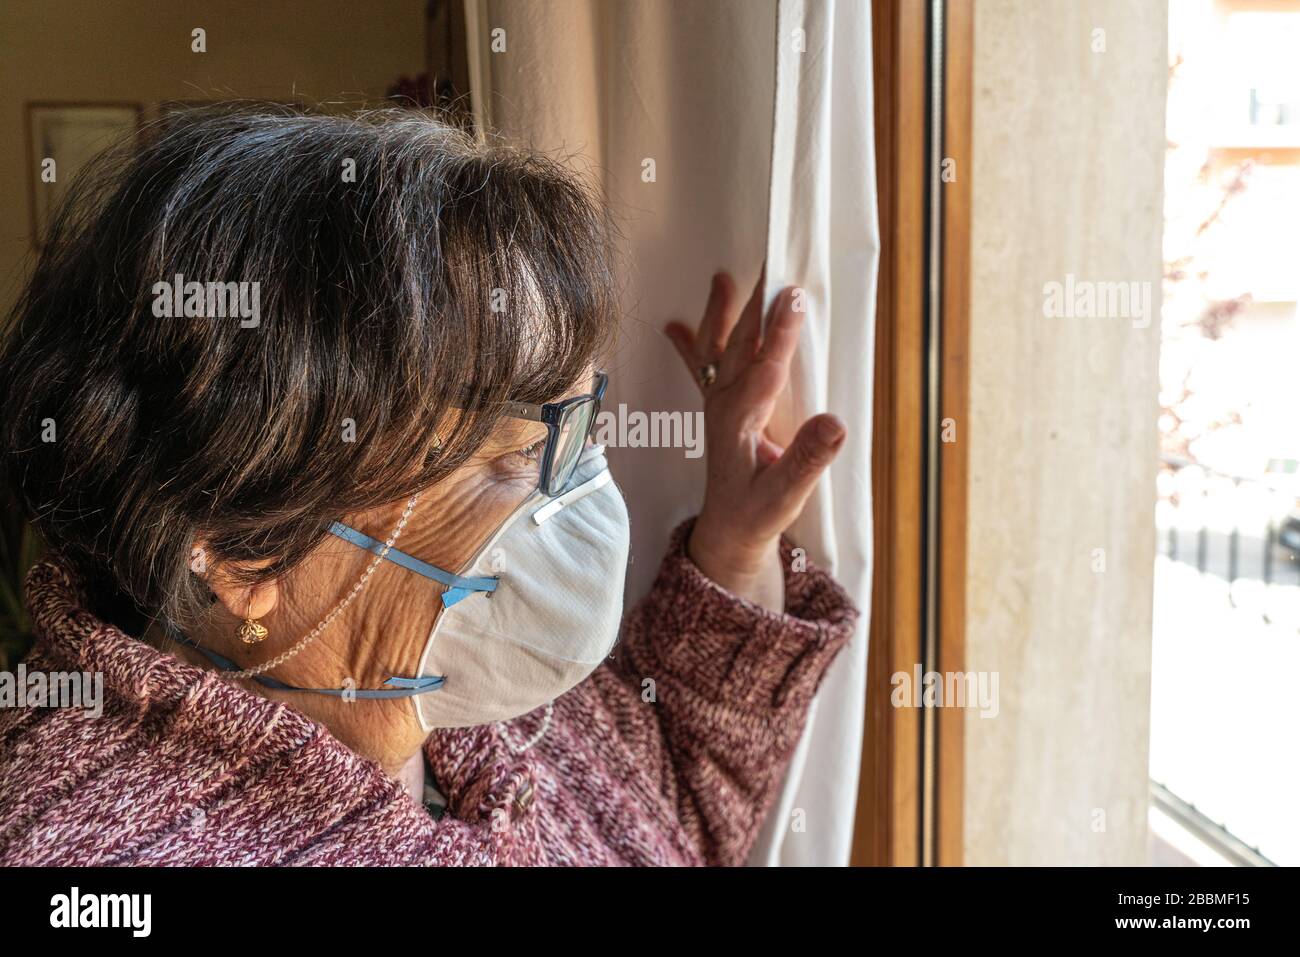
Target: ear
239, 598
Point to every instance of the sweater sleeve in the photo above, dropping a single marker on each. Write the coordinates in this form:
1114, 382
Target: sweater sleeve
711, 691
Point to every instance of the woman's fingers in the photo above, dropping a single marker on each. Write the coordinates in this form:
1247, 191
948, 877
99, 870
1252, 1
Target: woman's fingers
684, 341
768, 452
709, 342
720, 315
765, 377
781, 338
792, 478
745, 336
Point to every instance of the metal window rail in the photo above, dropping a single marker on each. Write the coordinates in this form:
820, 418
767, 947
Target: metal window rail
1208, 831
1228, 558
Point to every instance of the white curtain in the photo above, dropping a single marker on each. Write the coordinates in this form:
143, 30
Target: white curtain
724, 133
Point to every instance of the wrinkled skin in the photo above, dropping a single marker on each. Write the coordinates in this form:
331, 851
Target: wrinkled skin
384, 630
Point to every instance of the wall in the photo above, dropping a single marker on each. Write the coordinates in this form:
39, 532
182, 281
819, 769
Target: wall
139, 50
1067, 173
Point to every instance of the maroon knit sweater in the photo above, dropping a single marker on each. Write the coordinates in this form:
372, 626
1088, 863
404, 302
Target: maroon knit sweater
184, 767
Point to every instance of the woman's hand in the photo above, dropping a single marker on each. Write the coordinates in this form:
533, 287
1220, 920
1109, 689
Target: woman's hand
755, 488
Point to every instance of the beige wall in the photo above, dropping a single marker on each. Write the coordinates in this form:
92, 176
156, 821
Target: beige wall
139, 50
1067, 168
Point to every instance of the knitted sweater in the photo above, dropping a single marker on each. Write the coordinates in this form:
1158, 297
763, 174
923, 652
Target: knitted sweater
183, 767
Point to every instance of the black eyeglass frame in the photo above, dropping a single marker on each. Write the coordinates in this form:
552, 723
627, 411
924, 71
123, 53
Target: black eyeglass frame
552, 414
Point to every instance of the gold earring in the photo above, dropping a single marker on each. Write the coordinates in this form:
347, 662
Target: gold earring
251, 632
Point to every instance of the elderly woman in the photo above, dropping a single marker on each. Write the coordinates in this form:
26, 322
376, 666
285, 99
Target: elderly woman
303, 408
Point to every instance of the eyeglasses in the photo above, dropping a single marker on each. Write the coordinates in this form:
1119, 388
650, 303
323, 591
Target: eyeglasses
568, 424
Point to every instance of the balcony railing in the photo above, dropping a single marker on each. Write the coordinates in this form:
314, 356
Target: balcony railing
1245, 531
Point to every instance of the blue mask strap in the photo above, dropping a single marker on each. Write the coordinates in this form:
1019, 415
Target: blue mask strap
457, 587
394, 687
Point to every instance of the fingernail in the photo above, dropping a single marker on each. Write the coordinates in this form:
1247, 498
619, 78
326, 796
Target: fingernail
830, 431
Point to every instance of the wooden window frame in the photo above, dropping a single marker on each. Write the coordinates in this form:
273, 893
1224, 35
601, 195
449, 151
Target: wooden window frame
911, 786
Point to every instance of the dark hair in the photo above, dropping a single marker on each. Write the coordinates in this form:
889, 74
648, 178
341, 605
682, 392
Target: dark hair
444, 274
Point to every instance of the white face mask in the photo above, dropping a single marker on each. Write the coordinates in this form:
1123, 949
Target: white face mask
552, 619
533, 613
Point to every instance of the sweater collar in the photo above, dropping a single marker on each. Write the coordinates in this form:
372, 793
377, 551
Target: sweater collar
474, 767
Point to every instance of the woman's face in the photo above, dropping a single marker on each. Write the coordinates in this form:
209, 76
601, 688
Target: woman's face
383, 632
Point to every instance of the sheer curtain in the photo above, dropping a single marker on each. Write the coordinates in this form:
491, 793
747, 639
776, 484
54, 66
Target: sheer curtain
722, 134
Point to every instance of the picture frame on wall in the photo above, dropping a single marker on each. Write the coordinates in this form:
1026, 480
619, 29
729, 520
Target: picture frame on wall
62, 137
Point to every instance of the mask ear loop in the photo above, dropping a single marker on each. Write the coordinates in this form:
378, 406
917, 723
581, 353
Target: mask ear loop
394, 687
337, 610
458, 588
